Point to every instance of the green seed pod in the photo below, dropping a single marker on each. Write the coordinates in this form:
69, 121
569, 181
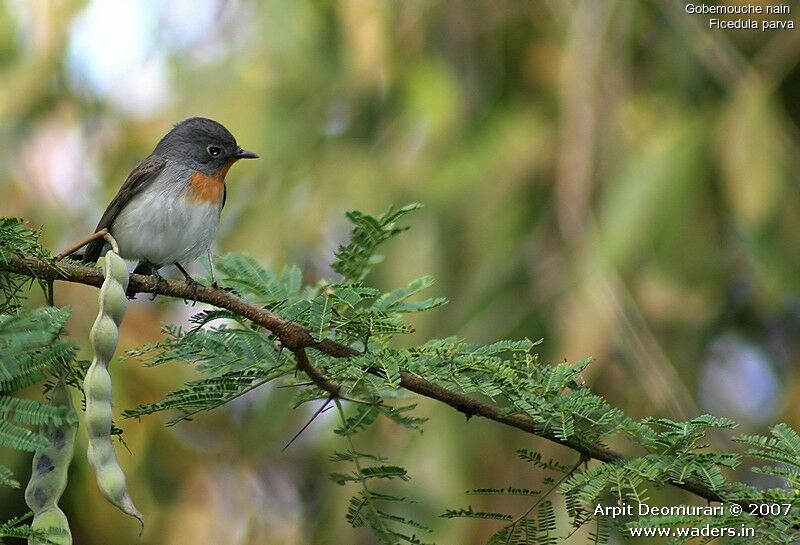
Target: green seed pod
104, 336
98, 383
53, 522
97, 386
113, 483
117, 269
49, 475
114, 302
102, 454
98, 421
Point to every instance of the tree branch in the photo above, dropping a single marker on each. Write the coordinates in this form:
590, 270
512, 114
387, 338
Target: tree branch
316, 376
297, 339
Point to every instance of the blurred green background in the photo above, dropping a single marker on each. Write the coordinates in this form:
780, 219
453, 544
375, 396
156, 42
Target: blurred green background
608, 175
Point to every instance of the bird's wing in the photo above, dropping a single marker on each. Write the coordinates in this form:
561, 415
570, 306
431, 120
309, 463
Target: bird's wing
139, 178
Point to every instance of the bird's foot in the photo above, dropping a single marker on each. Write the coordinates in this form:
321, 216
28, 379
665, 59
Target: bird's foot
144, 267
159, 279
193, 284
216, 286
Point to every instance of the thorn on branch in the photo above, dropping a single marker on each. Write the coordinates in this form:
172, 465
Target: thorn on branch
323, 408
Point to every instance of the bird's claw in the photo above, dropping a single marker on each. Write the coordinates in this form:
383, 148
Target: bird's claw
158, 280
228, 289
194, 285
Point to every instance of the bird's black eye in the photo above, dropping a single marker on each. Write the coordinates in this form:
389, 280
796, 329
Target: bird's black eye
214, 151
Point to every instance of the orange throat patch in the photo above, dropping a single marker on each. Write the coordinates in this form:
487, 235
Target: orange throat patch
207, 188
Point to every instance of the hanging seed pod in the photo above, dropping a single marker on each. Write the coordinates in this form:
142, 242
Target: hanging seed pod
49, 475
97, 386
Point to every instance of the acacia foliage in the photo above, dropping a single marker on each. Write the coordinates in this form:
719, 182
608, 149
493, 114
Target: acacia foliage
234, 356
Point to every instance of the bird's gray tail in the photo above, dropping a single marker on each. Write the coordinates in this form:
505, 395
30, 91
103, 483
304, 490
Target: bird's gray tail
91, 253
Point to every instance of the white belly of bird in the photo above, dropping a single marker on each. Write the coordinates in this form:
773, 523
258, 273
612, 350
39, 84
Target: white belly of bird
165, 228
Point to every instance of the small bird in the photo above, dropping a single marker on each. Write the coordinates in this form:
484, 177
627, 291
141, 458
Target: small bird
167, 211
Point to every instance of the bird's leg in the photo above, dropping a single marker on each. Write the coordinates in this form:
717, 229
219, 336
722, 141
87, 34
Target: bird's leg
157, 277
195, 285
211, 266
189, 280
145, 267
214, 280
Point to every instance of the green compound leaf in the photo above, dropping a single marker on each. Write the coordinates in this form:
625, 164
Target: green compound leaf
472, 514
355, 259
397, 300
30, 346
16, 239
7, 477
321, 311
19, 438
364, 416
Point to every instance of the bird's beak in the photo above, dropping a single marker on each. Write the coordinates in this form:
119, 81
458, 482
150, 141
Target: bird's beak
244, 154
